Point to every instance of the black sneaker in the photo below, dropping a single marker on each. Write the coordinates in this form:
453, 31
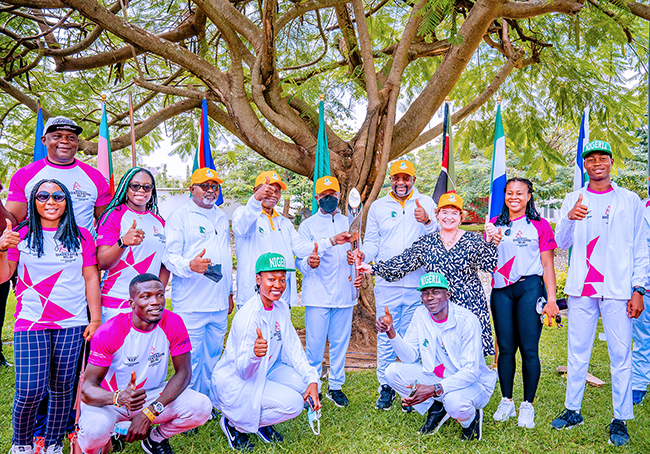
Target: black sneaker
215, 415
386, 398
618, 433
151, 447
268, 434
337, 396
568, 419
475, 429
3, 361
236, 439
191, 432
436, 417
407, 408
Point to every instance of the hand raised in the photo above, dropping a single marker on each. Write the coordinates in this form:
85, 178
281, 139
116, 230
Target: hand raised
264, 191
342, 238
133, 236
260, 346
314, 259
131, 397
384, 323
579, 211
9, 238
421, 214
199, 264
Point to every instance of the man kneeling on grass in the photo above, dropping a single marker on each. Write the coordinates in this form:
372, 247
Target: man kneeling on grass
452, 378
124, 380
263, 377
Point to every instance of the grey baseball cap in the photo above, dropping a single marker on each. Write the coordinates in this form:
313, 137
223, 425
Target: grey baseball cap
61, 123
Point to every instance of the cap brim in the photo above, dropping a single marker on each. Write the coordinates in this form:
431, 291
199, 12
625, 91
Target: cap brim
584, 154
289, 270
203, 180
76, 129
419, 289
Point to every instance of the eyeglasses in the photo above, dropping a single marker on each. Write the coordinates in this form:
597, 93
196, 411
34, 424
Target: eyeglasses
405, 178
135, 187
44, 196
205, 186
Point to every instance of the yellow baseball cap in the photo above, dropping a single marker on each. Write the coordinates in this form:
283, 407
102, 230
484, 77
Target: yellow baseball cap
273, 178
451, 199
204, 174
327, 182
402, 166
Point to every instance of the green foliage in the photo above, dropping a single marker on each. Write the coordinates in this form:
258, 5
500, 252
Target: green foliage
560, 282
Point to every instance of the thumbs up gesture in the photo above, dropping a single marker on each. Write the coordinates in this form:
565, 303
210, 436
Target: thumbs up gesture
133, 236
314, 259
9, 238
385, 322
492, 233
132, 398
260, 346
420, 213
264, 191
579, 211
200, 264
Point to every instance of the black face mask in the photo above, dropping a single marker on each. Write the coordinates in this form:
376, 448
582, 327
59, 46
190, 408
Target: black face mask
328, 203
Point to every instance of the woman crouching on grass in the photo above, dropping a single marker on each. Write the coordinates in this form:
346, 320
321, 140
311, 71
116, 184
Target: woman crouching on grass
58, 281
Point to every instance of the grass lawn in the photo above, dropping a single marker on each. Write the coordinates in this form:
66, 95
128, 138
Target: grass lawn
362, 429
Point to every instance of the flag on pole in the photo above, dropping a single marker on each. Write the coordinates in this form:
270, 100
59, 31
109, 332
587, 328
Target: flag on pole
498, 175
579, 174
39, 149
203, 155
104, 158
322, 161
447, 174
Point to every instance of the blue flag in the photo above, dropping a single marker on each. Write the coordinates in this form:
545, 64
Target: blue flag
39, 149
203, 155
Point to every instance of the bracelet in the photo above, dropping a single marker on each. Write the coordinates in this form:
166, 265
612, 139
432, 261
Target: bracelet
95, 321
148, 413
116, 395
4, 250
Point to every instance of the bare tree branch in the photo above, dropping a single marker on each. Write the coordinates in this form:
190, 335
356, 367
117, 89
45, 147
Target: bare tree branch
522, 10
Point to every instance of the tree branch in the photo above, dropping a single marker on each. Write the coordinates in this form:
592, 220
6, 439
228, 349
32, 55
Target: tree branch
522, 10
639, 10
38, 4
302, 7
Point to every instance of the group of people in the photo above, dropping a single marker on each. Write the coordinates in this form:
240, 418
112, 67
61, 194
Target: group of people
62, 226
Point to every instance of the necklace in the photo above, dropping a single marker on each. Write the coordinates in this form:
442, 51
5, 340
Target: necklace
450, 243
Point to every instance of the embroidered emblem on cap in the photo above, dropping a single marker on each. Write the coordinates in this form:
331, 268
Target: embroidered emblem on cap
452, 198
327, 182
402, 165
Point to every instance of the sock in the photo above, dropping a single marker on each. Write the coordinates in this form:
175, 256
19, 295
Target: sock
156, 436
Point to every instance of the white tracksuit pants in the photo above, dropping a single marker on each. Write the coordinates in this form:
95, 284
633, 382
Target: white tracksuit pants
190, 409
207, 331
461, 405
401, 303
641, 348
282, 396
583, 320
335, 324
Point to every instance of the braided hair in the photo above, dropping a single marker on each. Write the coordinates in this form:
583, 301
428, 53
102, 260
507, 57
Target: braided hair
531, 212
120, 196
67, 233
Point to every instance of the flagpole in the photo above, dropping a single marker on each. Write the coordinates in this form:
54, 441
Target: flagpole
648, 134
133, 161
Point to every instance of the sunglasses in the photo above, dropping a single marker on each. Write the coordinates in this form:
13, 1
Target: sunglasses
135, 187
44, 196
205, 186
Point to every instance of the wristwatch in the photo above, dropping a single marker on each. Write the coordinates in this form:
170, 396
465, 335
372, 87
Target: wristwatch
121, 244
640, 290
157, 407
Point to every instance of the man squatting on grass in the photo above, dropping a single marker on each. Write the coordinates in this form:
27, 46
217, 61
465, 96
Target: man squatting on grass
452, 379
125, 377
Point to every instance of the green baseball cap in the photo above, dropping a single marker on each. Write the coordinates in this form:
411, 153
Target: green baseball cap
433, 280
271, 261
597, 145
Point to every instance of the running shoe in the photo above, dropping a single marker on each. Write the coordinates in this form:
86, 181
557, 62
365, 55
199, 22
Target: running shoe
475, 429
54, 449
436, 417
386, 398
268, 434
338, 397
152, 447
21, 449
505, 410
236, 439
526, 415
618, 433
568, 419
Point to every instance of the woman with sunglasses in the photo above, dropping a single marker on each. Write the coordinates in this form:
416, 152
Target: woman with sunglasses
130, 240
524, 272
57, 282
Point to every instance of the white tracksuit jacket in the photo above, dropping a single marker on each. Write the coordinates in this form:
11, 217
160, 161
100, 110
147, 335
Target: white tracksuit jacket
462, 340
390, 229
189, 230
239, 376
627, 250
254, 237
329, 284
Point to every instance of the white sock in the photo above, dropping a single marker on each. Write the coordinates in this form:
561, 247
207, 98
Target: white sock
155, 435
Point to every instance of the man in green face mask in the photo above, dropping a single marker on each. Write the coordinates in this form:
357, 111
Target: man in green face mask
327, 290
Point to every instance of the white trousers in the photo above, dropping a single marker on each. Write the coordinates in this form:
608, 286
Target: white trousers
207, 331
583, 320
189, 410
335, 324
641, 348
461, 405
401, 303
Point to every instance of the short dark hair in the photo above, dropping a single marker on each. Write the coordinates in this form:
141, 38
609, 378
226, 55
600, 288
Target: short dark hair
139, 279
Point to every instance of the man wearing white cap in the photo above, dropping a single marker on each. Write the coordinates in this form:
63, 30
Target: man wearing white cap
198, 255
394, 223
607, 277
259, 228
328, 293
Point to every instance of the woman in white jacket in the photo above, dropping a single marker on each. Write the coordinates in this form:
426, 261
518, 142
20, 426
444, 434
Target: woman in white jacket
252, 388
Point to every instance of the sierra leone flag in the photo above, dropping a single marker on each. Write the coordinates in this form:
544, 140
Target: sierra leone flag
498, 175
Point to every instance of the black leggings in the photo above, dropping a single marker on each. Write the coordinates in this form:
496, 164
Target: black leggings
517, 326
4, 294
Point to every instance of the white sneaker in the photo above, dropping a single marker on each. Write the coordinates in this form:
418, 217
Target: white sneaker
21, 449
505, 410
54, 449
526, 415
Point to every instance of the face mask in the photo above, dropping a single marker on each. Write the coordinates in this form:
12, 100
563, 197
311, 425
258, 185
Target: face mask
328, 203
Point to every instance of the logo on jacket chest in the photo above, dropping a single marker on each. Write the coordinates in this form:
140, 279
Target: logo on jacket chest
161, 236
130, 361
78, 193
155, 357
277, 333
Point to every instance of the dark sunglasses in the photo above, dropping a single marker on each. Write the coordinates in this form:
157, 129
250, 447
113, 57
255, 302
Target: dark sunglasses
135, 187
205, 186
44, 196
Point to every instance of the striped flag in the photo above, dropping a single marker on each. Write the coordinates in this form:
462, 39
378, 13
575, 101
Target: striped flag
322, 160
579, 174
39, 148
447, 174
498, 176
104, 158
203, 155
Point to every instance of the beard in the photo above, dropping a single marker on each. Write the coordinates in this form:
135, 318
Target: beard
209, 201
